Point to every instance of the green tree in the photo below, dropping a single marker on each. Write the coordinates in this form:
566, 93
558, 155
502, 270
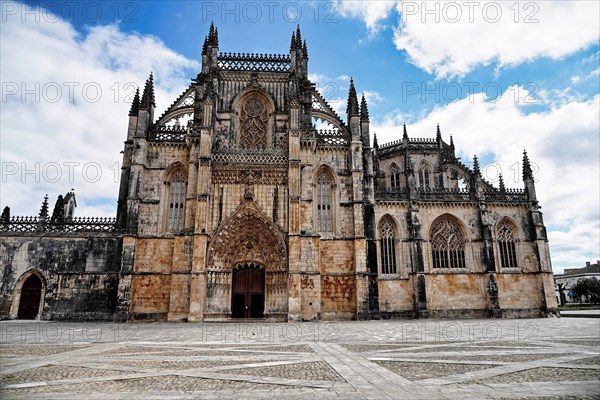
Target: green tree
588, 287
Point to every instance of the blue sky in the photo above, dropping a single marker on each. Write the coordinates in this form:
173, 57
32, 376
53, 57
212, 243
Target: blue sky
420, 64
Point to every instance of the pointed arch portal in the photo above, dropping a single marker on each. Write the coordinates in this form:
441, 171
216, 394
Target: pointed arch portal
247, 268
31, 294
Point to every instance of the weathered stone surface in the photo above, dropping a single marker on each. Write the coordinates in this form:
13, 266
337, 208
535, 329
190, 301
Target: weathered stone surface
235, 177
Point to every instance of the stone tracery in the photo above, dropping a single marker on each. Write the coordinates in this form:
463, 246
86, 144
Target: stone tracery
448, 244
253, 124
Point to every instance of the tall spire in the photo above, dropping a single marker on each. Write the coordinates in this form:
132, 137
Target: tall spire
451, 142
212, 39
305, 51
476, 169
352, 107
148, 95
298, 37
205, 46
135, 105
501, 183
438, 134
211, 33
528, 179
364, 111
293, 42
527, 172
405, 134
375, 144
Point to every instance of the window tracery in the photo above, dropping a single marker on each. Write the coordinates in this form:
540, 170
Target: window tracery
506, 243
447, 244
388, 248
394, 177
176, 202
324, 214
424, 177
253, 124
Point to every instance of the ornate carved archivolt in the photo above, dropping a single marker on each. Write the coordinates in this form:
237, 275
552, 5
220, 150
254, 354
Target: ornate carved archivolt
247, 236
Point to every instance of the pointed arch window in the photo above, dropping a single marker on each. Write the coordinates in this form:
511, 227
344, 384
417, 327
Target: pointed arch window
324, 200
506, 244
176, 202
424, 177
388, 247
394, 177
447, 244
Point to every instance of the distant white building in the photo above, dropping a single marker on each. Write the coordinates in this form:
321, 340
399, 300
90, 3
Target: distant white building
570, 277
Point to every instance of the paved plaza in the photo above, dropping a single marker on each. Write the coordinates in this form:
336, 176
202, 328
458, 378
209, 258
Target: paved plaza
432, 359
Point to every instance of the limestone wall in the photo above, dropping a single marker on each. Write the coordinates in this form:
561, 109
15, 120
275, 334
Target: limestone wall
151, 284
338, 291
80, 275
456, 291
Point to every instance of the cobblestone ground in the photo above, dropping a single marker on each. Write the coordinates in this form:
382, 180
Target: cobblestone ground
433, 359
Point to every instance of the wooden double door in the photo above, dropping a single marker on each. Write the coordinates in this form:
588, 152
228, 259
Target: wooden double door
248, 291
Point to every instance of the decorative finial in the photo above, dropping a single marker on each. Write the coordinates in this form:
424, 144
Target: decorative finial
501, 183
305, 51
451, 143
58, 215
476, 169
375, 144
205, 46
148, 94
352, 107
293, 43
5, 218
438, 134
364, 111
44, 209
405, 134
527, 172
298, 37
135, 105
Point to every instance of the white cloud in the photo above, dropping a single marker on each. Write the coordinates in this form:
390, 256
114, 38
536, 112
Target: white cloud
497, 33
562, 142
372, 12
44, 132
373, 97
450, 38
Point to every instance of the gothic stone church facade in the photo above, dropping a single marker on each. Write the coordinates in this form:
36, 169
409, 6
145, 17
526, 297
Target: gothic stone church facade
232, 204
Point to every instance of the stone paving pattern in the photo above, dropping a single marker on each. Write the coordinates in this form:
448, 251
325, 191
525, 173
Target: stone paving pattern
432, 359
